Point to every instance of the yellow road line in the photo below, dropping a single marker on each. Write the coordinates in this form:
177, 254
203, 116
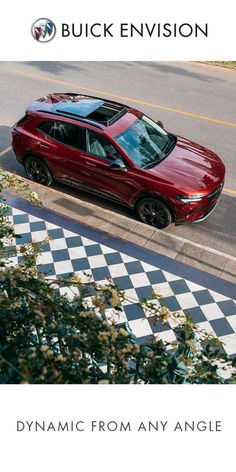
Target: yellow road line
5, 151
119, 97
229, 190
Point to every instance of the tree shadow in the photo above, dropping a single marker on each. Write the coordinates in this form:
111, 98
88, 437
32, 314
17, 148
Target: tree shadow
57, 67
54, 67
175, 69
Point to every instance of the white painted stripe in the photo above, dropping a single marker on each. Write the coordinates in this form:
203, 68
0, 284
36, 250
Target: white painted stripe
201, 246
5, 151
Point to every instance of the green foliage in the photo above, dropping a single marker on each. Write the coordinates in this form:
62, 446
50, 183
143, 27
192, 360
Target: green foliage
7, 182
49, 338
230, 64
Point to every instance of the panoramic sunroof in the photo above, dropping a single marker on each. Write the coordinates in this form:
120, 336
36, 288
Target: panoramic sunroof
90, 108
83, 107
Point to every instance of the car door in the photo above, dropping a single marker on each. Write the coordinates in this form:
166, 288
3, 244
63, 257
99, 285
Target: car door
61, 146
98, 157
83, 157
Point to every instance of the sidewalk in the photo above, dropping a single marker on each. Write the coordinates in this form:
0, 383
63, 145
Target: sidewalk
76, 247
193, 254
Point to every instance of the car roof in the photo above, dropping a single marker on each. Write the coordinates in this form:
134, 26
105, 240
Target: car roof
98, 112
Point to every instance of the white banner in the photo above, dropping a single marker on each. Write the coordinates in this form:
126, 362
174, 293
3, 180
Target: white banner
114, 428
125, 30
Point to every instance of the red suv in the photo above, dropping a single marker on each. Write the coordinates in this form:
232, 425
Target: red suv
115, 151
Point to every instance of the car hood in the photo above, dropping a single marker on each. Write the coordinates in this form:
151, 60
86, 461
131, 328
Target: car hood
190, 167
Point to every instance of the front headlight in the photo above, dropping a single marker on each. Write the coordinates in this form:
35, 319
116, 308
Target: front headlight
191, 198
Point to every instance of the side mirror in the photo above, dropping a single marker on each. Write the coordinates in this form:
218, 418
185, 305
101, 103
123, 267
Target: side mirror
118, 164
159, 123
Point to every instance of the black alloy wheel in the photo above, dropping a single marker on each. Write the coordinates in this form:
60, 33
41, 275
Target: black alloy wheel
154, 212
37, 171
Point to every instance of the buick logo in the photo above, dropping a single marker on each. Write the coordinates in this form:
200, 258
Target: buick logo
43, 30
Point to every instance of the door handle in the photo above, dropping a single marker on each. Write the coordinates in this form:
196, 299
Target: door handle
91, 164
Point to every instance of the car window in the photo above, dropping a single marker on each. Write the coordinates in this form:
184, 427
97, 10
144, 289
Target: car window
71, 135
100, 146
47, 127
66, 133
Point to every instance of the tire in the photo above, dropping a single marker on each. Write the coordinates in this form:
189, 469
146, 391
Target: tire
37, 171
153, 212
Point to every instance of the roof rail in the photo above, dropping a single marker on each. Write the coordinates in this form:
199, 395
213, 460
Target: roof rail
75, 117
116, 117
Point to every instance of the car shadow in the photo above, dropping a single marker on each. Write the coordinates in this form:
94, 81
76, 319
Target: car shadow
219, 228
5, 137
7, 159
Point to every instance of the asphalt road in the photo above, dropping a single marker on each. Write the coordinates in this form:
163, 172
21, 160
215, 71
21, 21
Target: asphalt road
194, 100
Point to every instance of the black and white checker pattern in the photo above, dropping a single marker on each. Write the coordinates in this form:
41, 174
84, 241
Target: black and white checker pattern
68, 252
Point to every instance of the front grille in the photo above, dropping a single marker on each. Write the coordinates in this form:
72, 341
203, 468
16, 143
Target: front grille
212, 196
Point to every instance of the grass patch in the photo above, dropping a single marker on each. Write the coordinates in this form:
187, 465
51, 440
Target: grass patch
229, 64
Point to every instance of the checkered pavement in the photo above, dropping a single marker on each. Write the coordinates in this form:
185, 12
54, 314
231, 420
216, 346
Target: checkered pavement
68, 252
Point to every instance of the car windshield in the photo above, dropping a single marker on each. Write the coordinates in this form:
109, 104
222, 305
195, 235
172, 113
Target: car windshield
145, 142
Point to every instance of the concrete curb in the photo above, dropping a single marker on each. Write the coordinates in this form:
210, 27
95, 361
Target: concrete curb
195, 255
